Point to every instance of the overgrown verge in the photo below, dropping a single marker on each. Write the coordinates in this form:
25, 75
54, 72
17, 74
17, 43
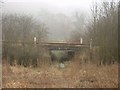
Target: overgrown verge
72, 76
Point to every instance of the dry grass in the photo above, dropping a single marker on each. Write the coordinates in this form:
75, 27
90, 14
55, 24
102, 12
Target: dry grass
72, 76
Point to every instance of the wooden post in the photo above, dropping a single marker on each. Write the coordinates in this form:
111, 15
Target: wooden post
81, 40
90, 44
35, 41
90, 49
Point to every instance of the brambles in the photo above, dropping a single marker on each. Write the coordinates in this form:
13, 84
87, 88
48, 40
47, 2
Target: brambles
72, 76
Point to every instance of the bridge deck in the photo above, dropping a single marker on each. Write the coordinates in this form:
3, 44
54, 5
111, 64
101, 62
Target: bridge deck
65, 46
52, 45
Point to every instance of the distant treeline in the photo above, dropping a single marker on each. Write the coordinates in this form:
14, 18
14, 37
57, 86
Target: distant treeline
22, 28
102, 29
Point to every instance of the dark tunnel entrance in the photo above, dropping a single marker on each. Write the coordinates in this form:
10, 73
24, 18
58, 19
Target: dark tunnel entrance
61, 55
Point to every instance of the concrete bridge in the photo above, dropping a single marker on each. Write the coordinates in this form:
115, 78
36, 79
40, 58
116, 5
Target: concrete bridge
76, 46
51, 45
65, 46
71, 48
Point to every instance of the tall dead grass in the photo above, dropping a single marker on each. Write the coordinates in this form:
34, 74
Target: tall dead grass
74, 75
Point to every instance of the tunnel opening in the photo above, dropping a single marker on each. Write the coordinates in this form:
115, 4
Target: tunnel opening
61, 56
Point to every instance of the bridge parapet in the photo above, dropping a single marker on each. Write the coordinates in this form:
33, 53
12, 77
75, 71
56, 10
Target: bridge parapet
65, 46
52, 45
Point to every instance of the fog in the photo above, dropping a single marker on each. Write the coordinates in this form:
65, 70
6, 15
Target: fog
57, 15
59, 44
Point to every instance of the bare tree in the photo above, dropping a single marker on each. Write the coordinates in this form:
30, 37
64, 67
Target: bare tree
79, 24
103, 30
18, 33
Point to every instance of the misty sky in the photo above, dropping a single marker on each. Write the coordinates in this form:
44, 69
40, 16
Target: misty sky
50, 12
